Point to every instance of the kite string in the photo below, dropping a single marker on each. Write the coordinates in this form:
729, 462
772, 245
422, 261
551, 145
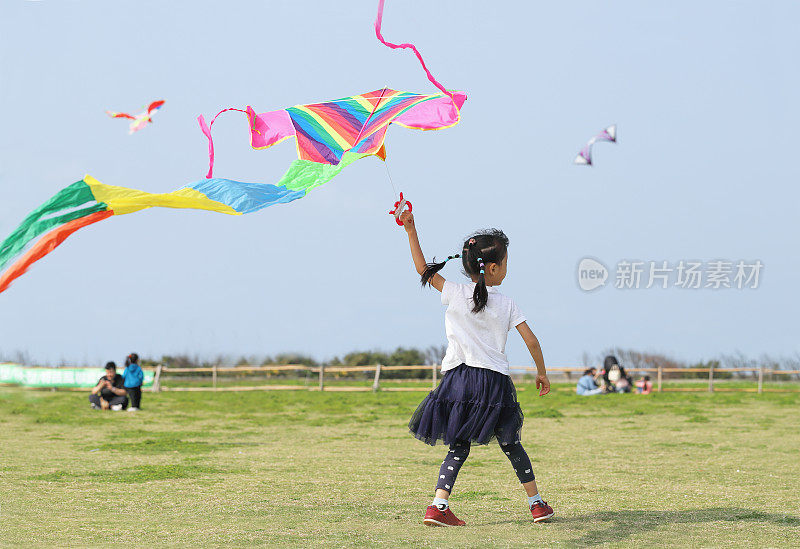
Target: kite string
388, 173
377, 104
385, 163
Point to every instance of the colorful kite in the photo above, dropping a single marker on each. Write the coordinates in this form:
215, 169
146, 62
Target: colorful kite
140, 120
584, 157
329, 136
327, 132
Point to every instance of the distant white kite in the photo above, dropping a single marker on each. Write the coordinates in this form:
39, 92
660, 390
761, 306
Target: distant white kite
584, 157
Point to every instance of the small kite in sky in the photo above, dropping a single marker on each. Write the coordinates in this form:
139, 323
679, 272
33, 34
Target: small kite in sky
584, 157
140, 120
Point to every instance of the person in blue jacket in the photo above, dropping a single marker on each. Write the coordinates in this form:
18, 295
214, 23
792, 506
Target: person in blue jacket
134, 377
587, 385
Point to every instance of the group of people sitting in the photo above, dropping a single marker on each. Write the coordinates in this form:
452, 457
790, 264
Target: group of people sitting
114, 391
611, 379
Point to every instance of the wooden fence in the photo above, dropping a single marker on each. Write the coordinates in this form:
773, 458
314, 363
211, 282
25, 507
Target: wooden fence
321, 371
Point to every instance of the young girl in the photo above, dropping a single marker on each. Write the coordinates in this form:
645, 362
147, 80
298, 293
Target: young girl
134, 377
476, 401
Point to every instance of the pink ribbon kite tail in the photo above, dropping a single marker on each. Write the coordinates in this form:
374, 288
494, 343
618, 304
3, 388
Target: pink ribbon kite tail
378, 21
266, 129
207, 131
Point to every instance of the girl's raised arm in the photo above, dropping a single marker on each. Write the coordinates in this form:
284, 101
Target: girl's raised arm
407, 218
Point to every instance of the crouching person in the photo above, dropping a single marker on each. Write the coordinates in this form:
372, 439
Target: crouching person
109, 393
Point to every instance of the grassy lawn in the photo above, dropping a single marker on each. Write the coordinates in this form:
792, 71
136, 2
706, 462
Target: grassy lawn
296, 468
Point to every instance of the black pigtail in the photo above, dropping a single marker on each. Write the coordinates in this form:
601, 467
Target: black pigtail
430, 270
481, 295
433, 268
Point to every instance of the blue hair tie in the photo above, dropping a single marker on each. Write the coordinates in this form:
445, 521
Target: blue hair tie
480, 264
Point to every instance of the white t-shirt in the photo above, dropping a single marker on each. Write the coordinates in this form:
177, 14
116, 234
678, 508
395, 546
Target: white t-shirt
477, 339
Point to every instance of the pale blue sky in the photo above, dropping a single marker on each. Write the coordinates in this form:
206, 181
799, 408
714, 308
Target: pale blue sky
705, 95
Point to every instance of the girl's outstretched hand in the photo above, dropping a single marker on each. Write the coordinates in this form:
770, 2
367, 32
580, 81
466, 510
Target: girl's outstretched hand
407, 219
543, 384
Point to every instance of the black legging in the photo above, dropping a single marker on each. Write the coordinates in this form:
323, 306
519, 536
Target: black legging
459, 451
135, 394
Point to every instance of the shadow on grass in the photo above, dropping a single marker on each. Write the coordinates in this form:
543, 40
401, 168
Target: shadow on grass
626, 522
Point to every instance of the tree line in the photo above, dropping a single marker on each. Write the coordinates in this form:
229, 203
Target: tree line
401, 356
633, 359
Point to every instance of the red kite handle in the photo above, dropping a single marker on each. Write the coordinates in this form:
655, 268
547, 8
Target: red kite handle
399, 208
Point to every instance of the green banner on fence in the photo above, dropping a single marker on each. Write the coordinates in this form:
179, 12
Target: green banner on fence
29, 376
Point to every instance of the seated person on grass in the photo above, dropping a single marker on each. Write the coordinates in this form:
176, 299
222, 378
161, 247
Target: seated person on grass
644, 386
624, 383
587, 385
109, 391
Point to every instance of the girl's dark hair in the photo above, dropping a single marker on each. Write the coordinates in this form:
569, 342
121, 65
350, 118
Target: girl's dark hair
132, 358
609, 362
588, 371
487, 246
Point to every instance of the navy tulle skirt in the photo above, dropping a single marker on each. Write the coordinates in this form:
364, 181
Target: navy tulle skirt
470, 404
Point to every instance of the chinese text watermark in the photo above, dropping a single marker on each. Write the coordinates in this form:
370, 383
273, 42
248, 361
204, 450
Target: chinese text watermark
717, 274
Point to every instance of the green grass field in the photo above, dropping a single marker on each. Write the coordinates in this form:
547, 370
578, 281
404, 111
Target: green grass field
296, 468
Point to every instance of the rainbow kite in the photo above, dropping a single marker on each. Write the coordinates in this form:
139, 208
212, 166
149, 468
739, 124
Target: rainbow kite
325, 132
329, 136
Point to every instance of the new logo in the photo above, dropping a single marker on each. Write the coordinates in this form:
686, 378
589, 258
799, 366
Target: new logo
591, 274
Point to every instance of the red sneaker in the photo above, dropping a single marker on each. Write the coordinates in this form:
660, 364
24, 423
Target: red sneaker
435, 517
541, 511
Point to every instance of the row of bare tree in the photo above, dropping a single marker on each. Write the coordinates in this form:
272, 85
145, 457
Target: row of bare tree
748, 366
